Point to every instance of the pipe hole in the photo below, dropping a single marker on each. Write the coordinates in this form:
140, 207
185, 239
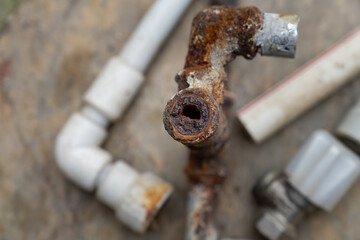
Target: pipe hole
191, 111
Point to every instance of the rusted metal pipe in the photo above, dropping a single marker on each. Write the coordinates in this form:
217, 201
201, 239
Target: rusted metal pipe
202, 201
197, 116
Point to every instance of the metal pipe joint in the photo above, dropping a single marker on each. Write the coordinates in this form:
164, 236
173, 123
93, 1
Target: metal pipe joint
197, 116
218, 34
282, 206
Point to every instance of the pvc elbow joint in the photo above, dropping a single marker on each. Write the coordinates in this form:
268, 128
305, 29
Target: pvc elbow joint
136, 198
318, 177
78, 153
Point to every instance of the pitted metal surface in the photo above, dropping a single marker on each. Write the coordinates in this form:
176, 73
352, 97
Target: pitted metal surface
198, 114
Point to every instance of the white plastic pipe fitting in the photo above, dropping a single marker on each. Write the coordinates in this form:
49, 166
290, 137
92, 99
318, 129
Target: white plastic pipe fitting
326, 167
78, 153
349, 129
297, 93
135, 197
114, 89
150, 33
122, 76
319, 175
323, 170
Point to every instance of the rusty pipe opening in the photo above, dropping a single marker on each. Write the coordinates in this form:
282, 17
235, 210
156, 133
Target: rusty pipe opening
191, 116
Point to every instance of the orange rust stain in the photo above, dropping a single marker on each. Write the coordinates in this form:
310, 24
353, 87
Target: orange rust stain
153, 195
206, 170
218, 34
214, 26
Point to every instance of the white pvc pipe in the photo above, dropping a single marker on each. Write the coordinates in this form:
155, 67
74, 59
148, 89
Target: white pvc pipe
114, 89
349, 127
306, 87
123, 74
155, 26
135, 197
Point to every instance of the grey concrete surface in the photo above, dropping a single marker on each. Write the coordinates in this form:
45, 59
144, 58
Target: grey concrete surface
51, 51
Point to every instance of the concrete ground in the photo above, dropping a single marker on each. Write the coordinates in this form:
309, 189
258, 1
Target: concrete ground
51, 51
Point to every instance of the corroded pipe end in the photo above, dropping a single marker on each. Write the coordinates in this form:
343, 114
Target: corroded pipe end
191, 116
278, 35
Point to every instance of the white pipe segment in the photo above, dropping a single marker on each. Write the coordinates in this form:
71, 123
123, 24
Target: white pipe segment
78, 151
155, 26
306, 87
114, 89
349, 127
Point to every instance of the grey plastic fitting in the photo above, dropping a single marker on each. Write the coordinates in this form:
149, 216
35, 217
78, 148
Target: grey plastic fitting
318, 176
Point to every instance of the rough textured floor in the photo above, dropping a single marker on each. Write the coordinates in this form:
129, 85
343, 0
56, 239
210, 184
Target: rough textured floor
50, 52
6, 8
